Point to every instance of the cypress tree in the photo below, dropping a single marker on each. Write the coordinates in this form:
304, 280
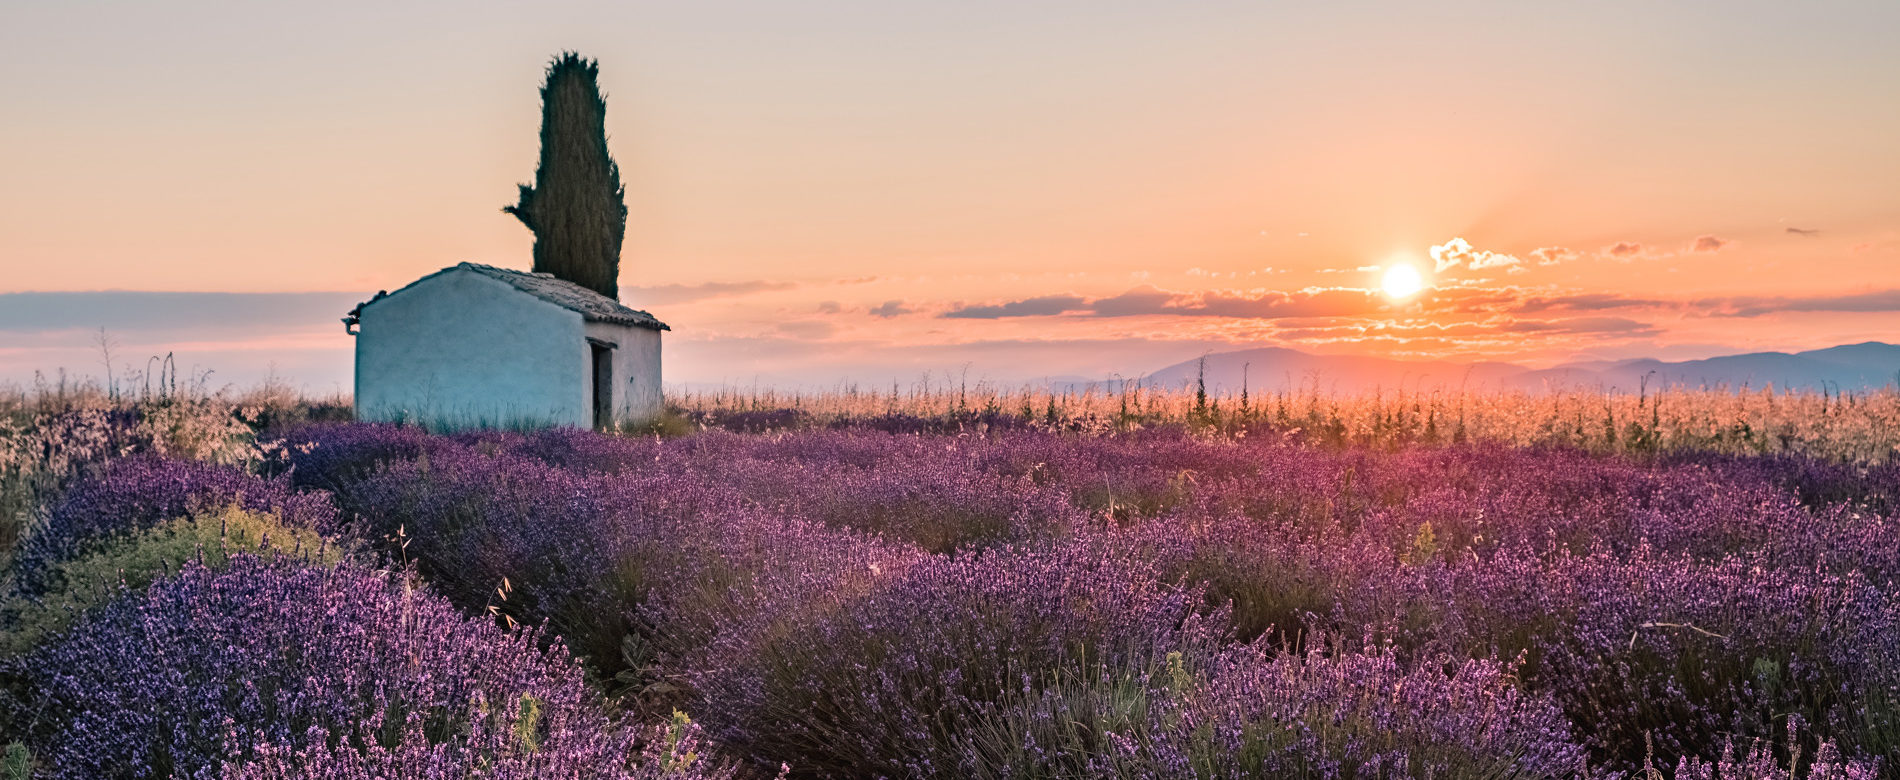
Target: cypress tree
577, 207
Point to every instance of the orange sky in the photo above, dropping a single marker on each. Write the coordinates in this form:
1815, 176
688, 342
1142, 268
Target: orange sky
832, 190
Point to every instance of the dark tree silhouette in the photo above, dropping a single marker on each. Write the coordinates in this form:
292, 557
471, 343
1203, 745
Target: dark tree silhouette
577, 207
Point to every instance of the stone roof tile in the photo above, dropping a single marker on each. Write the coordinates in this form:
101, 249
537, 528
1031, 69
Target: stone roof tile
592, 306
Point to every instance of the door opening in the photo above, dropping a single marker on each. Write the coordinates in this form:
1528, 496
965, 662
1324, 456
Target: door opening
603, 389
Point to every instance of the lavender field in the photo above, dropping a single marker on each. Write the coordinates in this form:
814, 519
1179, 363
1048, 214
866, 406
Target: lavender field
1005, 588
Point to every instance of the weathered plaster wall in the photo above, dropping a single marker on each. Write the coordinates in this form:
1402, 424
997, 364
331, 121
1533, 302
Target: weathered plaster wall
636, 370
462, 350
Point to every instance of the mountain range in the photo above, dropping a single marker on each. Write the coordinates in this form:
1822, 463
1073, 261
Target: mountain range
1851, 367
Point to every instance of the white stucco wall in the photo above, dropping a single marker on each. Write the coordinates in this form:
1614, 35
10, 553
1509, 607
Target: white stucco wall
636, 370
462, 350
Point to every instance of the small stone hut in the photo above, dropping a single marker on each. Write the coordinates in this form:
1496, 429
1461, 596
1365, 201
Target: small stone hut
475, 346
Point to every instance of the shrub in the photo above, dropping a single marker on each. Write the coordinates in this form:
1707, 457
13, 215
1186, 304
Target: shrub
130, 563
1760, 759
470, 520
331, 456
597, 557
751, 420
579, 450
266, 658
1683, 652
1274, 579
721, 561
670, 423
932, 502
956, 666
137, 493
59, 433
494, 749
1340, 713
43, 453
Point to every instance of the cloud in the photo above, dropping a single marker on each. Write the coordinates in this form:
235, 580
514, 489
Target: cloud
1455, 310
1338, 333
1320, 305
1581, 325
686, 293
1148, 300
1624, 249
1876, 301
1709, 244
1324, 302
240, 337
890, 309
143, 312
811, 330
830, 307
1456, 334
1552, 255
1515, 301
1032, 307
1458, 251
1804, 232
1470, 300
1588, 302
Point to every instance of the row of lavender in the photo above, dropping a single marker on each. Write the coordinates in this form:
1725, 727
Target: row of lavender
1025, 604
178, 618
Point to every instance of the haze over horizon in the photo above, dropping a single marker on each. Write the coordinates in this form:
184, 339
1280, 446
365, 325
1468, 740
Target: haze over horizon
857, 191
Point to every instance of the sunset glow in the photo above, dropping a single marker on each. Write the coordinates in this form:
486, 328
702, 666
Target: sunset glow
1016, 191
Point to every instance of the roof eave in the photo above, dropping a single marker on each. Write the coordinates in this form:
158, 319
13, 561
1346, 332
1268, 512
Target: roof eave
649, 324
646, 320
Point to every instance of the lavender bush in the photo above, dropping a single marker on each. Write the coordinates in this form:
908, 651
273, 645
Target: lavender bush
1685, 602
60, 433
1360, 714
575, 449
597, 557
136, 493
1682, 651
330, 456
270, 661
950, 668
129, 563
496, 748
1759, 760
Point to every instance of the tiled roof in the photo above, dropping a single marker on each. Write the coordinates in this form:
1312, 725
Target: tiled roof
592, 306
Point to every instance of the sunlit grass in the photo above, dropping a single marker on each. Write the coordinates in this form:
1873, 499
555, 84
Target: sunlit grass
1856, 427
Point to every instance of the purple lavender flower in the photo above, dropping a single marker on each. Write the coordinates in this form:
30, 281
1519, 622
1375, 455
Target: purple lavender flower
137, 493
330, 456
1342, 713
268, 660
950, 664
1687, 600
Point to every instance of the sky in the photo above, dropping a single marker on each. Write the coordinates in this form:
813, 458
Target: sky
852, 191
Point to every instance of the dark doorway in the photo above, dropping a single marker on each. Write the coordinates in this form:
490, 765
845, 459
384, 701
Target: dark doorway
603, 390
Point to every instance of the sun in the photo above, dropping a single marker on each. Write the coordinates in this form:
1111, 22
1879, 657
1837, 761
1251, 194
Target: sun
1401, 281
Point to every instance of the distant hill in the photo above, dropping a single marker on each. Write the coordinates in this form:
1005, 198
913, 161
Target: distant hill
1850, 367
1273, 369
